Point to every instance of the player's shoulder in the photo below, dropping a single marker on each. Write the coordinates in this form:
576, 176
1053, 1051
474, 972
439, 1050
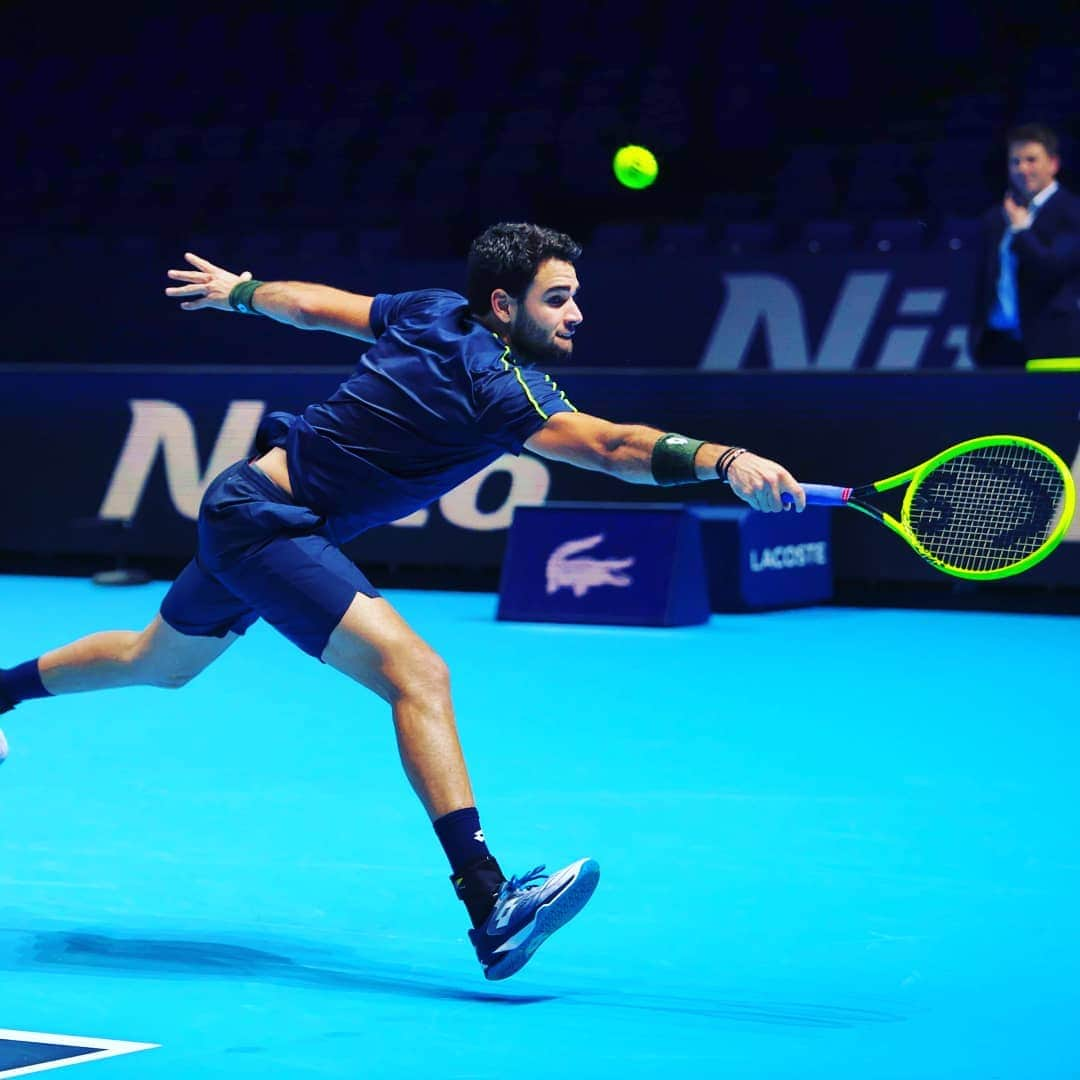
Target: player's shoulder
430, 302
413, 310
439, 297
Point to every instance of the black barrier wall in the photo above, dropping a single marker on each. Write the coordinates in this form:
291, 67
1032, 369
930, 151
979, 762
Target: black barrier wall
101, 456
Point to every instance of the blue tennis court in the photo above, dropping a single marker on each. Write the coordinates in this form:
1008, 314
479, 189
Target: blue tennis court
835, 843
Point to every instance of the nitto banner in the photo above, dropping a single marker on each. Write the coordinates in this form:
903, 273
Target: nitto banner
110, 458
793, 313
838, 316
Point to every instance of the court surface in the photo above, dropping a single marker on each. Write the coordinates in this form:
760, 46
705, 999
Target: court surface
824, 853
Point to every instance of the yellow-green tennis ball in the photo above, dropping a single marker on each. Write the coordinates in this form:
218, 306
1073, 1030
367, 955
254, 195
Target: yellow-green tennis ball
635, 167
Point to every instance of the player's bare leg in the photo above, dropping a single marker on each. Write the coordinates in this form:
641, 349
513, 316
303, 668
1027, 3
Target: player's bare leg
374, 645
155, 656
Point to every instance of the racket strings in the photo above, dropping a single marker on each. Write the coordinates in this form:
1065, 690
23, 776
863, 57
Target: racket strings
989, 508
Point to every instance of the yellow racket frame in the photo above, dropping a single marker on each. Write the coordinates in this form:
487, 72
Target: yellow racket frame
903, 529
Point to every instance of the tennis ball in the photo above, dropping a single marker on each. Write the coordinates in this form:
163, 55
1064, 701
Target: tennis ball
635, 167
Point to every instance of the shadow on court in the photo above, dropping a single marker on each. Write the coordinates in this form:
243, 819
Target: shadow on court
199, 959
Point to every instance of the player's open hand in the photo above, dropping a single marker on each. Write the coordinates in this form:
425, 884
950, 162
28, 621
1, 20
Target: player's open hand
207, 286
763, 483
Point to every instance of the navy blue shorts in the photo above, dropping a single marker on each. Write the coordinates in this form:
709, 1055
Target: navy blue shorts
262, 556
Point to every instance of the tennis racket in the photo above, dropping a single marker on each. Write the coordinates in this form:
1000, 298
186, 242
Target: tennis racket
985, 508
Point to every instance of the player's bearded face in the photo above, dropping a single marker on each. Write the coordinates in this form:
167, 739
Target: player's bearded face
535, 341
546, 319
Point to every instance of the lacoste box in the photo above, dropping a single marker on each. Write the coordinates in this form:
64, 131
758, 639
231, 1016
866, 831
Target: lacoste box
756, 560
623, 563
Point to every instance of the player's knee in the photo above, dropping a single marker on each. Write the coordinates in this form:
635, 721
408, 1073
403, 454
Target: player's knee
172, 680
154, 665
423, 673
165, 676
438, 673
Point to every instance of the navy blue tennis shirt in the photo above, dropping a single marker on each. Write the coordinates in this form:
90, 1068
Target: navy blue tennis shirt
434, 400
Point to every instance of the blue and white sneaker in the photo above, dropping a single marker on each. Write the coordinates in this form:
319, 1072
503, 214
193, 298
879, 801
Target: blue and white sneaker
527, 911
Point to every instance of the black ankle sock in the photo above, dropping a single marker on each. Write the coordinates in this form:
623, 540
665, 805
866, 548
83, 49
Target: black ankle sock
21, 683
476, 875
477, 887
461, 836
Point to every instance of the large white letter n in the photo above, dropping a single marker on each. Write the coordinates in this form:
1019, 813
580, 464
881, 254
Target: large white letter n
767, 300
164, 425
771, 302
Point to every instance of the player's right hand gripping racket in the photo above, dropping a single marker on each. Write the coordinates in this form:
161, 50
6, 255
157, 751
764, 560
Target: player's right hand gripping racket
985, 508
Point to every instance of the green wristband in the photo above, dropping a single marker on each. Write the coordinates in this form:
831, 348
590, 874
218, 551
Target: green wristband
240, 298
673, 459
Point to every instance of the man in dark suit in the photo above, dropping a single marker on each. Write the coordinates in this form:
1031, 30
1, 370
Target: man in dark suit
1027, 295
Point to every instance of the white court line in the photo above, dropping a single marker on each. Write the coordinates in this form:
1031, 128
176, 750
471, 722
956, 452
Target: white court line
101, 1048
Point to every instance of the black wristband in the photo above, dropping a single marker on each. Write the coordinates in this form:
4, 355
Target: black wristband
240, 298
725, 460
673, 459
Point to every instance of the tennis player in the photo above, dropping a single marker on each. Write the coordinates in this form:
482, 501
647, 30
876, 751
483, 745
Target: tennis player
446, 387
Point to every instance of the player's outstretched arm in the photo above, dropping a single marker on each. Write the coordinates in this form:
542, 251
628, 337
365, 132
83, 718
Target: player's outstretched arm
645, 455
296, 303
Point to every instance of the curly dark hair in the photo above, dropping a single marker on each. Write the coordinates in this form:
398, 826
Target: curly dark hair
507, 256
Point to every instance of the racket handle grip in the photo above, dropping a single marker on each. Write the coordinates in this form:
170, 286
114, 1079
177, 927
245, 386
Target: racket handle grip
822, 495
